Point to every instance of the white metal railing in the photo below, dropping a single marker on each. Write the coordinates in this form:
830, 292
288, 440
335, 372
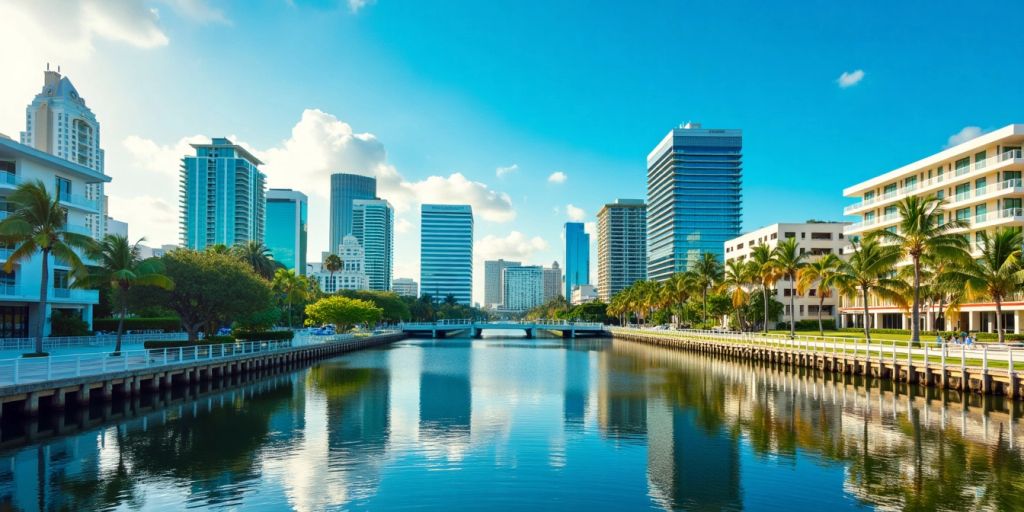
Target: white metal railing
62, 342
471, 323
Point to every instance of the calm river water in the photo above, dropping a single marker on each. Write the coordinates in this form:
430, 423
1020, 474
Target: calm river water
516, 424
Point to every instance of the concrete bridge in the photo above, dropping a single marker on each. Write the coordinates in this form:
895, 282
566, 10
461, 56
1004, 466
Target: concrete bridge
444, 328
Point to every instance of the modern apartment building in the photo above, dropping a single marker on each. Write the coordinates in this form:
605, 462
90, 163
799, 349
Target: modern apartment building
287, 221
346, 188
621, 246
352, 275
980, 181
577, 256
373, 224
446, 251
694, 203
494, 286
405, 287
19, 290
59, 122
813, 238
223, 196
523, 287
552, 281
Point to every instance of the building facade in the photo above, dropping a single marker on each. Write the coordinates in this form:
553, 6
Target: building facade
694, 203
58, 122
446, 252
813, 238
352, 275
494, 285
346, 188
287, 221
980, 182
223, 196
405, 287
621, 246
584, 293
373, 224
523, 287
577, 256
552, 282
19, 289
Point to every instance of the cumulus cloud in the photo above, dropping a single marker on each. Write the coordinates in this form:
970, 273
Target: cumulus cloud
850, 78
403, 226
197, 10
159, 218
575, 213
151, 157
964, 135
515, 246
501, 172
557, 177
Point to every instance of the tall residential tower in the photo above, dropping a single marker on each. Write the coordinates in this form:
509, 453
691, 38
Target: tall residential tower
621, 246
577, 256
223, 196
346, 188
373, 222
494, 284
446, 252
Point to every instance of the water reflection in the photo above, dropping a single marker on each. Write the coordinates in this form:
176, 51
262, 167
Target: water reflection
505, 423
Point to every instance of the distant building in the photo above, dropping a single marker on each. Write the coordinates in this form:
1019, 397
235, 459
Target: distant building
621, 246
373, 224
156, 252
584, 293
694, 203
405, 287
577, 256
346, 188
494, 287
117, 227
523, 287
446, 252
223, 196
552, 281
287, 221
352, 275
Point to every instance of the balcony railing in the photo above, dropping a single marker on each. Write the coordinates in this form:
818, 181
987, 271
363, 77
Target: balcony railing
79, 201
9, 179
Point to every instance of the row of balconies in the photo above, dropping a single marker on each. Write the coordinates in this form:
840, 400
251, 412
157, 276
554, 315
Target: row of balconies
977, 221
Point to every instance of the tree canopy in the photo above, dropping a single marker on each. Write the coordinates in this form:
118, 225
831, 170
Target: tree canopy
342, 312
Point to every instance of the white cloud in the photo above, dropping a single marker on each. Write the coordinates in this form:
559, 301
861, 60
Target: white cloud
151, 217
591, 229
357, 5
197, 10
964, 135
149, 156
515, 246
850, 78
557, 177
575, 213
501, 172
488, 204
402, 226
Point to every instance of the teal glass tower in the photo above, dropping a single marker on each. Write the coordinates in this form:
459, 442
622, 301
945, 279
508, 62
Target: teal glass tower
346, 188
446, 252
577, 257
694, 203
286, 227
223, 196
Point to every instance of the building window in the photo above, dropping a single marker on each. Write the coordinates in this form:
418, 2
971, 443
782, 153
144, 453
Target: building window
790, 234
774, 236
821, 236
787, 292
979, 160
962, 166
63, 188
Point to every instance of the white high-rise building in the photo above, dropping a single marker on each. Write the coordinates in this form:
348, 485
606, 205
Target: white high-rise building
523, 287
446, 252
352, 275
58, 122
494, 288
405, 287
373, 222
552, 282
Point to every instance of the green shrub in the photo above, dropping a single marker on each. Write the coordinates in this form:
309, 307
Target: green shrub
209, 340
264, 335
68, 323
165, 324
930, 335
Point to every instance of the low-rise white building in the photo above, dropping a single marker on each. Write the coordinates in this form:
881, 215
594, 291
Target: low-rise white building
406, 287
584, 293
352, 275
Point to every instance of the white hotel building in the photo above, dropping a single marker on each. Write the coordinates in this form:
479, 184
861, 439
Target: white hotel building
980, 181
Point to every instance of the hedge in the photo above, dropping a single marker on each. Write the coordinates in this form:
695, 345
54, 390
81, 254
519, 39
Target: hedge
929, 335
216, 340
165, 324
264, 335
808, 325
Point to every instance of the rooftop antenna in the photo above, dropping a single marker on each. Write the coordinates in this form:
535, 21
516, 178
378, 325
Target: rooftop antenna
47, 66
58, 68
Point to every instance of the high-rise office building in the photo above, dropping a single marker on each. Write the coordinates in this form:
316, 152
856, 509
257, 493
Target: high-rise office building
373, 224
577, 256
286, 235
694, 183
58, 122
621, 246
346, 188
405, 287
446, 252
223, 196
494, 288
552, 281
523, 287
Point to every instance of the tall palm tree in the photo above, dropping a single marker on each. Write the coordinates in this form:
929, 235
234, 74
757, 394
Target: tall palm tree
822, 272
679, 287
291, 287
121, 267
995, 275
332, 264
767, 275
707, 271
257, 256
735, 280
787, 260
39, 225
921, 231
869, 270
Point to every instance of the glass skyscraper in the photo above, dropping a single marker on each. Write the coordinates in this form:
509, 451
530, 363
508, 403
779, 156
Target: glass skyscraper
446, 252
373, 222
346, 188
577, 257
286, 228
694, 184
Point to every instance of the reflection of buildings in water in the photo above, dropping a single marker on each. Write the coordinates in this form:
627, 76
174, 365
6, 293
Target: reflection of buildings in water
446, 404
621, 397
577, 383
33, 478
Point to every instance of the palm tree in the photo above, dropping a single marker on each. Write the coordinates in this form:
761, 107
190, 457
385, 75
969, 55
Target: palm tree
257, 256
735, 279
997, 274
760, 262
787, 260
823, 272
332, 264
870, 270
921, 231
39, 224
291, 287
218, 249
706, 272
122, 269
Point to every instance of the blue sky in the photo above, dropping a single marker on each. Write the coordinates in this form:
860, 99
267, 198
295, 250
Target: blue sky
434, 97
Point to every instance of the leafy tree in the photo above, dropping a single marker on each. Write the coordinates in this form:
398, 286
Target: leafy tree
332, 264
787, 260
736, 278
38, 226
393, 308
757, 308
869, 271
766, 273
257, 256
706, 273
997, 274
822, 272
291, 288
342, 312
595, 311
